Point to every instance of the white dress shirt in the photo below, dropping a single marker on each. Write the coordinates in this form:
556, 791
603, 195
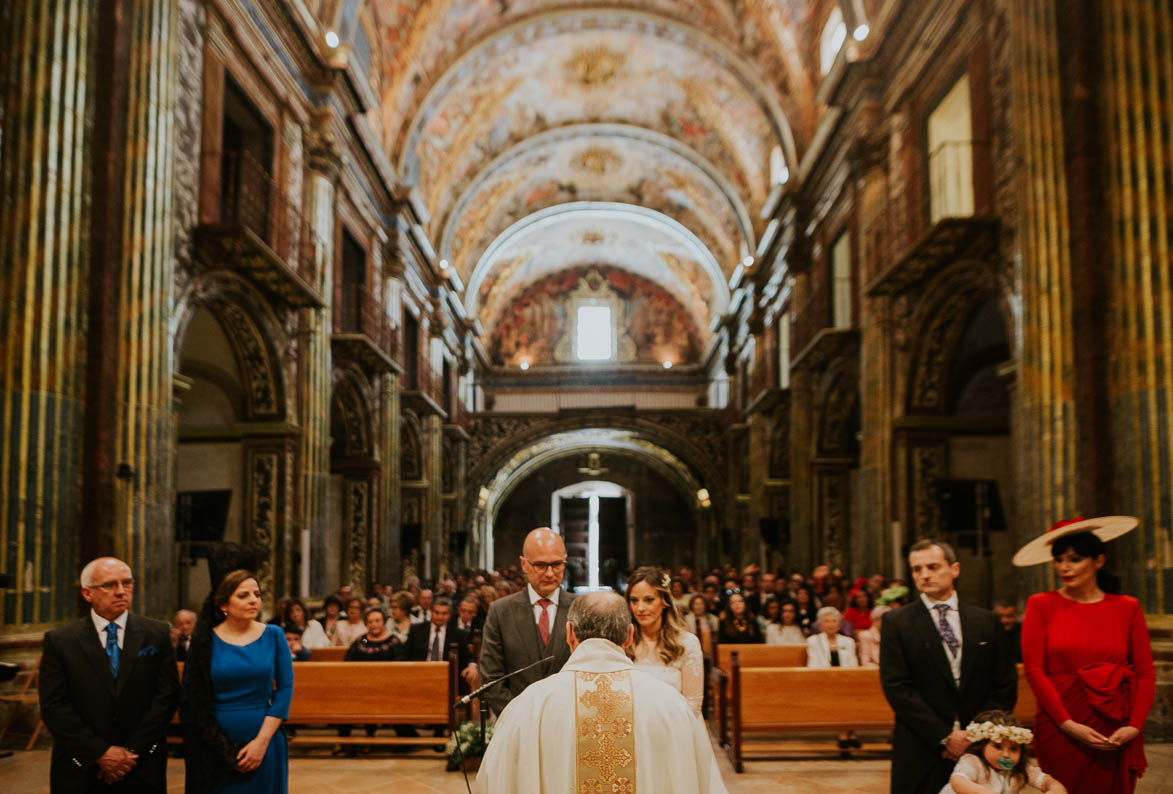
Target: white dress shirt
100, 623
953, 617
551, 610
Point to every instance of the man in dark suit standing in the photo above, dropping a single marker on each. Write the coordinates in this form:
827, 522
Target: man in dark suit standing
428, 642
528, 625
109, 687
941, 663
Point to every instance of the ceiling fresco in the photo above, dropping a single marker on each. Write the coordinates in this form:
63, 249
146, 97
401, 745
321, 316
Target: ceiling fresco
598, 163
592, 67
636, 240
421, 39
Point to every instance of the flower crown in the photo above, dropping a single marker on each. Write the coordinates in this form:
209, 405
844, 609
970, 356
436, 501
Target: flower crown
996, 733
665, 580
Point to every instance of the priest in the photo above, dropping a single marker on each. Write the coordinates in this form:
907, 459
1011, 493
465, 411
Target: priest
599, 724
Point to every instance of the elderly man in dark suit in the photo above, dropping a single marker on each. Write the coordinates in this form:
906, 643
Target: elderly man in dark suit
941, 663
109, 686
529, 625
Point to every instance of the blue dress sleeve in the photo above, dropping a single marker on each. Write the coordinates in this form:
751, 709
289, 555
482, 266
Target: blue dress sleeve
283, 694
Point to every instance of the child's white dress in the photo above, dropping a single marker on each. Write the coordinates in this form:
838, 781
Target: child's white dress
970, 767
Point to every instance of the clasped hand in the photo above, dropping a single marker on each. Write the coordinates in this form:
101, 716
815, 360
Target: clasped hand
251, 755
115, 763
1093, 738
955, 745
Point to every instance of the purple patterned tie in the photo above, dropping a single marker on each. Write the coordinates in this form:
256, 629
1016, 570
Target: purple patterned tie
946, 630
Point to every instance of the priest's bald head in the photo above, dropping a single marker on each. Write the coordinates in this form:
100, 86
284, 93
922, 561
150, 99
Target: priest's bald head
603, 614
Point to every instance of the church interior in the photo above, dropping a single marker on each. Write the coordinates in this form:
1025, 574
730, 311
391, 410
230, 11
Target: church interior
378, 286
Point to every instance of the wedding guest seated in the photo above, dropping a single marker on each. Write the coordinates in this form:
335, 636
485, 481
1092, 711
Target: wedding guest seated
869, 639
376, 645
312, 633
859, 611
331, 615
829, 648
738, 625
400, 623
349, 630
293, 637
769, 613
701, 622
785, 630
807, 608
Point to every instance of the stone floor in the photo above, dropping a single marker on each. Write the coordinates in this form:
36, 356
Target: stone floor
316, 773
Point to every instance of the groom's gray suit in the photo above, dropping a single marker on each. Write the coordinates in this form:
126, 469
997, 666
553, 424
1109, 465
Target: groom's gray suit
511, 641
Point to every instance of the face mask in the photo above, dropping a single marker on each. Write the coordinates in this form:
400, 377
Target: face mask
1006, 764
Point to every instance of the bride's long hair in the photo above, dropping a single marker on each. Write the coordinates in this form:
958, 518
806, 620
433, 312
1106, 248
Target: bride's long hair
672, 626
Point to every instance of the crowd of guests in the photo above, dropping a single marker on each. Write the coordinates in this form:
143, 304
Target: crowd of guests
679, 615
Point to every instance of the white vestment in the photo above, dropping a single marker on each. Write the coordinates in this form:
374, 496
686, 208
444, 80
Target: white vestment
575, 731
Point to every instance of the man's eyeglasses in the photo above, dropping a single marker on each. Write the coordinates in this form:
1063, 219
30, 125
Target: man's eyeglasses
112, 585
542, 567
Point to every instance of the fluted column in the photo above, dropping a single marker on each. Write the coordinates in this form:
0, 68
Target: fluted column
314, 384
1137, 104
1045, 425
46, 85
144, 442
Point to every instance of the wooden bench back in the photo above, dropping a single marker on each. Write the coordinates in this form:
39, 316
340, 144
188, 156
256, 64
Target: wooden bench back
761, 656
409, 692
388, 692
334, 653
813, 699
800, 698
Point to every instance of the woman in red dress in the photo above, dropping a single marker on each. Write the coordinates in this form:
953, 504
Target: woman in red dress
1087, 656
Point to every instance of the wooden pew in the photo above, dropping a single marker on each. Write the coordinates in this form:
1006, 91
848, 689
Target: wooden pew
800, 699
372, 693
334, 653
750, 656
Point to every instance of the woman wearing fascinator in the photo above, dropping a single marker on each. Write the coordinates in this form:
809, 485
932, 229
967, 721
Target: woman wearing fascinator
1087, 656
663, 646
237, 688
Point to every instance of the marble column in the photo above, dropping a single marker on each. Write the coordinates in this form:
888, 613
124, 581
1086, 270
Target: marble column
144, 536
314, 384
1137, 108
46, 84
1045, 427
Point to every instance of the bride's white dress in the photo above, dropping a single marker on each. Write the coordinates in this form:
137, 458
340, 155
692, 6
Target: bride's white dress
686, 675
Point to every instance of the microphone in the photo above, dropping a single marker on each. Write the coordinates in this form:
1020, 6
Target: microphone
468, 698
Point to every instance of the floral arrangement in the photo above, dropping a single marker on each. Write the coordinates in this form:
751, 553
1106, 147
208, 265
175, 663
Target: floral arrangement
997, 732
465, 742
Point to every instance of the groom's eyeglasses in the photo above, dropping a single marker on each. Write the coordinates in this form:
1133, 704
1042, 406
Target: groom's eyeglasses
542, 567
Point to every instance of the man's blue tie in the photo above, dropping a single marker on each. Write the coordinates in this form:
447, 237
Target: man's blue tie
112, 647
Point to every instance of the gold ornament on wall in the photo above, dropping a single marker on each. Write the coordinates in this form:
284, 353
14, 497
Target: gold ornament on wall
594, 67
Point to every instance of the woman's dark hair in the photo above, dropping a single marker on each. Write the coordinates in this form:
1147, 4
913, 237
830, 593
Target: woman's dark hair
228, 586
289, 605
999, 717
292, 628
331, 599
356, 600
1087, 544
782, 608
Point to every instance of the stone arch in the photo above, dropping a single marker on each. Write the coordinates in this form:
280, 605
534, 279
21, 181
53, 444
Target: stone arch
259, 341
351, 416
411, 461
943, 315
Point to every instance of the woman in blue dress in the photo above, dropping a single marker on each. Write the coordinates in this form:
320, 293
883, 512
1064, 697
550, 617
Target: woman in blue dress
238, 686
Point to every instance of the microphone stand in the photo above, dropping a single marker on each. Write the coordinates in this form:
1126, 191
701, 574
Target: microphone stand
476, 693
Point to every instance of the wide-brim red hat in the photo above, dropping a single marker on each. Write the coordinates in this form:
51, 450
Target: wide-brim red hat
1105, 528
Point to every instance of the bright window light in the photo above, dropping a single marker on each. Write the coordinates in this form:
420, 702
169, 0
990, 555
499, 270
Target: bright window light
593, 335
831, 40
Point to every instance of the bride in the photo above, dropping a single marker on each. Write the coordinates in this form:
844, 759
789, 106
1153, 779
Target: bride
662, 647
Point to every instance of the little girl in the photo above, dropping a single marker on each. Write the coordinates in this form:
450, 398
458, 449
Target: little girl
999, 759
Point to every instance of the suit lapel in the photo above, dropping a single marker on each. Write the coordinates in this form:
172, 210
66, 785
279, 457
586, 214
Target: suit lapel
558, 630
969, 641
535, 636
927, 630
94, 652
131, 644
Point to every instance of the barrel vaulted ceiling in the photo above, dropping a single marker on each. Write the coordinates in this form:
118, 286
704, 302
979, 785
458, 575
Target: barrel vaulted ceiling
544, 135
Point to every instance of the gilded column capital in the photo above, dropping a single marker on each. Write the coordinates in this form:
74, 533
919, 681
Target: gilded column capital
322, 153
